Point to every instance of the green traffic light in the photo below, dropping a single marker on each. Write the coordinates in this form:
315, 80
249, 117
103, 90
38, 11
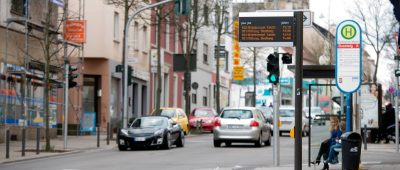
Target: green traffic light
273, 78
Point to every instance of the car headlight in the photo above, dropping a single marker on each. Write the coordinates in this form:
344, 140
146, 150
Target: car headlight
159, 132
124, 132
209, 121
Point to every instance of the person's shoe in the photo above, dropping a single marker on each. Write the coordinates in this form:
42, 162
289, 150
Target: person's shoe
316, 162
326, 166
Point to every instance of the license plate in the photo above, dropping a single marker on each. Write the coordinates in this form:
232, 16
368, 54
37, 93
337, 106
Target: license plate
235, 126
286, 122
140, 139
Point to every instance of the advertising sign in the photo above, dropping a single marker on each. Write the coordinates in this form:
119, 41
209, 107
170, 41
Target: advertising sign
75, 31
348, 56
238, 73
266, 29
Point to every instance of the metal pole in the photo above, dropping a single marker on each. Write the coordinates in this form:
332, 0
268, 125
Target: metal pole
365, 136
275, 89
342, 111
108, 133
309, 125
348, 112
23, 141
66, 73
396, 111
276, 124
125, 95
7, 143
37, 140
299, 92
98, 136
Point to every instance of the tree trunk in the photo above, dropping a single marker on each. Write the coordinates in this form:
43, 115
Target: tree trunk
159, 90
376, 67
47, 56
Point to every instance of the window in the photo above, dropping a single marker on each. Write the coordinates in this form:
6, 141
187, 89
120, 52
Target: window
18, 7
205, 53
116, 26
205, 14
176, 40
167, 34
144, 39
205, 94
136, 35
194, 98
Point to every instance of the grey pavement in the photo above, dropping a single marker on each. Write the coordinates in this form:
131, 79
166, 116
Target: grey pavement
77, 144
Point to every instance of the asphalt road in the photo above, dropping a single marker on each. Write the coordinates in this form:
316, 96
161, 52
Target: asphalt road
198, 153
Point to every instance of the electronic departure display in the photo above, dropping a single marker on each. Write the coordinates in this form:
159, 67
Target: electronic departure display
266, 29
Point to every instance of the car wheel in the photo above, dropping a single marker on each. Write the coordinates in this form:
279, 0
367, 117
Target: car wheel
268, 142
181, 140
258, 143
228, 144
167, 141
217, 143
121, 148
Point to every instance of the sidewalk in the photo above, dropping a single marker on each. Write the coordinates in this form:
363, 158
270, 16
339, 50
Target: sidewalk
75, 144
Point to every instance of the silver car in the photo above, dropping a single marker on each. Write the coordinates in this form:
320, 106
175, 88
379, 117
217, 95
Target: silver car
286, 118
243, 125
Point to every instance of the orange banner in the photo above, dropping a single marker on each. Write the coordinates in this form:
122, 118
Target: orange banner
75, 31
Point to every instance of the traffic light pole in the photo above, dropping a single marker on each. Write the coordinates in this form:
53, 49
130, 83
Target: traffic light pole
125, 88
276, 98
66, 84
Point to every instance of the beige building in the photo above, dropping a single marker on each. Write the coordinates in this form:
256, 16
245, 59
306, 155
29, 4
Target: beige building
99, 90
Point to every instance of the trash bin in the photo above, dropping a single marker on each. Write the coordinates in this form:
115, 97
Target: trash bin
351, 150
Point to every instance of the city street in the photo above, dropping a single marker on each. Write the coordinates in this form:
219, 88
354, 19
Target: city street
198, 153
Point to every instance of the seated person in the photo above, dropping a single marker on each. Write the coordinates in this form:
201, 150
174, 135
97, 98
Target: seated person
332, 158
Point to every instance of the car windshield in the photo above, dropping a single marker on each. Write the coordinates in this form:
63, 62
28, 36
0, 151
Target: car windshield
168, 113
205, 113
267, 112
239, 114
286, 113
149, 122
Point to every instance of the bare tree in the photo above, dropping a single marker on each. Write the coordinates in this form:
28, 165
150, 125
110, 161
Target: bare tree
378, 26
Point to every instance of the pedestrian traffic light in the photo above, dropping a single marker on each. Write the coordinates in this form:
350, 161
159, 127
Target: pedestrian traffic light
286, 58
130, 75
182, 7
71, 76
273, 68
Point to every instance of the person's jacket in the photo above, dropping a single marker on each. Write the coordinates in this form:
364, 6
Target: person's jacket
335, 134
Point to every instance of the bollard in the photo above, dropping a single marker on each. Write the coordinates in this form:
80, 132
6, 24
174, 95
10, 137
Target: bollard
7, 143
37, 140
98, 136
23, 141
108, 133
365, 137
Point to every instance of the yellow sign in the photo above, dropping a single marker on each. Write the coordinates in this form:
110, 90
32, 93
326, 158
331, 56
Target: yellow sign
238, 69
292, 133
238, 76
348, 31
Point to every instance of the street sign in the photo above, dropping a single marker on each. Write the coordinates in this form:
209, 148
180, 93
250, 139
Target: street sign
348, 56
266, 29
397, 72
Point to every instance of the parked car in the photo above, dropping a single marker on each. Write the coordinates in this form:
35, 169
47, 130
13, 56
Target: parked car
318, 116
242, 125
203, 115
268, 114
151, 131
176, 114
287, 120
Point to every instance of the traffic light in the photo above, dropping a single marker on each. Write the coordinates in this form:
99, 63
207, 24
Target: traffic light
286, 58
130, 75
273, 68
182, 7
71, 76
